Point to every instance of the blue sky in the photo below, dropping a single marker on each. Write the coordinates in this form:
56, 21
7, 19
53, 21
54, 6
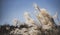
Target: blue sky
11, 9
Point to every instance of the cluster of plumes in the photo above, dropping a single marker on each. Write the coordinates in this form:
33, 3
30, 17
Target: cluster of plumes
46, 21
24, 29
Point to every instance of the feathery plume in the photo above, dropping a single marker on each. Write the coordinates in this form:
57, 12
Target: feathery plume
36, 6
16, 22
55, 16
28, 19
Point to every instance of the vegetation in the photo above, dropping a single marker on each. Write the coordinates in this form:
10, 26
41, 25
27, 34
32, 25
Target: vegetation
30, 27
